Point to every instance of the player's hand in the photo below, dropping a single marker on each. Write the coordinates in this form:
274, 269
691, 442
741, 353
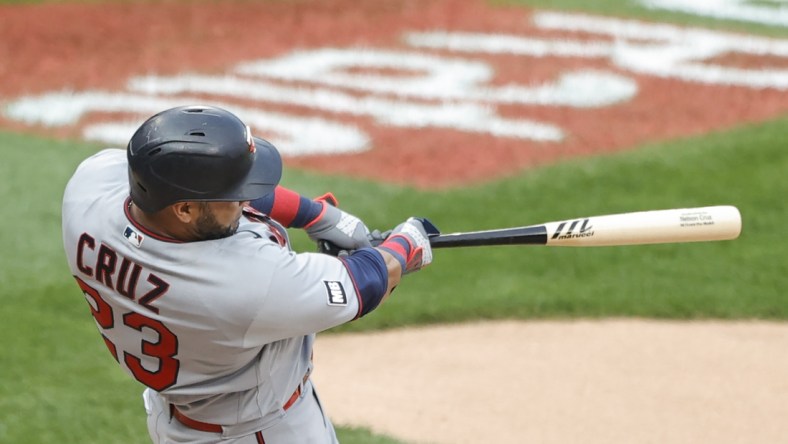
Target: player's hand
410, 244
376, 237
337, 227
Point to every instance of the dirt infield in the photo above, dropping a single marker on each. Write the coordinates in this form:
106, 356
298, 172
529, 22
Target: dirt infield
614, 381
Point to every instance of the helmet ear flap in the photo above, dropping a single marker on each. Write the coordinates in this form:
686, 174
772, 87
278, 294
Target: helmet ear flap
198, 153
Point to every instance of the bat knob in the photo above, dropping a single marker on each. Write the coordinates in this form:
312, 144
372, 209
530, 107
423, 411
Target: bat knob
429, 227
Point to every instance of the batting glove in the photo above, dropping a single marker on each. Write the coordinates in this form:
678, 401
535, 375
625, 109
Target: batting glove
337, 227
410, 245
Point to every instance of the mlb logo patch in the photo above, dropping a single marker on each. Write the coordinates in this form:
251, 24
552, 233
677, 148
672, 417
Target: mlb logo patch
133, 236
336, 293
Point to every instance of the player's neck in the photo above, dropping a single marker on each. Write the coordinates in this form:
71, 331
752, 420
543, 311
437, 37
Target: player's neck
158, 224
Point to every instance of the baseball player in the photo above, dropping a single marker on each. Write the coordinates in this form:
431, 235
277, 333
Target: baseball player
197, 294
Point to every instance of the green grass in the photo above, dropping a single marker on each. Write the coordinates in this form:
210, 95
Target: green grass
737, 279
57, 381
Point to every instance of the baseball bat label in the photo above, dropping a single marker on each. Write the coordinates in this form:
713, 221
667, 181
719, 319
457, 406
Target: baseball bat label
696, 218
585, 230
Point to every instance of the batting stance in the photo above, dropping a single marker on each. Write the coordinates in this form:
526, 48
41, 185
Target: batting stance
180, 247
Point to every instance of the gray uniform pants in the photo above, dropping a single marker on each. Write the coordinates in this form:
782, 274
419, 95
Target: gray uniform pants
304, 422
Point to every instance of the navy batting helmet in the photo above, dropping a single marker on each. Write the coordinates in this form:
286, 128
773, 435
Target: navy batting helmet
199, 153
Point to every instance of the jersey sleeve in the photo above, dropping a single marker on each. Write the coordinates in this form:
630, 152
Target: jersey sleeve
311, 292
288, 207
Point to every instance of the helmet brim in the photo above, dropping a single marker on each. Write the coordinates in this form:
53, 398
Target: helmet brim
263, 176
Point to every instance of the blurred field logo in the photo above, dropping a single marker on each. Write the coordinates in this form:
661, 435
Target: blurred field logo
567, 84
767, 12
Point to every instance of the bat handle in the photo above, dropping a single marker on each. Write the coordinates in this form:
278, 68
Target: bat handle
376, 238
329, 248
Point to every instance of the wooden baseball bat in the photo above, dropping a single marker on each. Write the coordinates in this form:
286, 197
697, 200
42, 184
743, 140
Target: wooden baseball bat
645, 227
675, 225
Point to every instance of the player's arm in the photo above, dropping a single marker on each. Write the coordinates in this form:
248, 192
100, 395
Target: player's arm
312, 292
320, 218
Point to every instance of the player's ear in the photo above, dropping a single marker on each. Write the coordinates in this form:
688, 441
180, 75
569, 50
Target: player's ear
185, 212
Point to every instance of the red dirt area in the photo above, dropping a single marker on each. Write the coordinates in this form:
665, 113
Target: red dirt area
96, 46
738, 60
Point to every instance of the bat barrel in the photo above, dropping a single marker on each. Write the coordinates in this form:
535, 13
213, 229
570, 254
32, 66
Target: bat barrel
648, 227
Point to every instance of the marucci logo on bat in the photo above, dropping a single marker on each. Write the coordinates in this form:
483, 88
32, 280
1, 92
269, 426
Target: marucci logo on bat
585, 230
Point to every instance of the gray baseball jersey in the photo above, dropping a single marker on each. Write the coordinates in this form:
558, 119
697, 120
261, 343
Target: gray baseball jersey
223, 329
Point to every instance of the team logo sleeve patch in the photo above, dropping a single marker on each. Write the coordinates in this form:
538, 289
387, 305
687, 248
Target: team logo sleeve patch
336, 293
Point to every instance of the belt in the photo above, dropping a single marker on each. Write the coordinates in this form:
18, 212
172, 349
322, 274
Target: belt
216, 428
